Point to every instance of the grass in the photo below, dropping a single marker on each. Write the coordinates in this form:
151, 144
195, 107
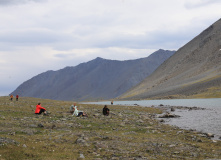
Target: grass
128, 133
213, 92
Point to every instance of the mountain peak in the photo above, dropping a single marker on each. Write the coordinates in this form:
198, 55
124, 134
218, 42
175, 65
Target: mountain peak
193, 69
98, 58
94, 80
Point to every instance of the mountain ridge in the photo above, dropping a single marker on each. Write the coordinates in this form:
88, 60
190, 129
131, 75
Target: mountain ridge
192, 70
93, 80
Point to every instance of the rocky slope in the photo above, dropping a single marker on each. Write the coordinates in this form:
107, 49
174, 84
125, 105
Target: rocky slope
195, 69
95, 80
128, 133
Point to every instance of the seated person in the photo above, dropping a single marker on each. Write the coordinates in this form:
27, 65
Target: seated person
106, 110
40, 109
78, 113
72, 108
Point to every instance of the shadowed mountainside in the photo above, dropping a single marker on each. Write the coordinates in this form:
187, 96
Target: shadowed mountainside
195, 69
95, 80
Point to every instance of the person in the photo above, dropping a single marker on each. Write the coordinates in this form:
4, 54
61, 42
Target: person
11, 96
106, 110
40, 109
17, 97
78, 113
72, 108
112, 102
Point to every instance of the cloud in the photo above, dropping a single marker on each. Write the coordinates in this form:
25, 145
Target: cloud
201, 3
16, 2
41, 35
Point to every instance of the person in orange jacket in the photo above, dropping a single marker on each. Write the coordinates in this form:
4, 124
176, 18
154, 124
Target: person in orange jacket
40, 109
11, 96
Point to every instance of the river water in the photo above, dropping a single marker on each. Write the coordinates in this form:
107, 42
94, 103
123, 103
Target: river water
207, 120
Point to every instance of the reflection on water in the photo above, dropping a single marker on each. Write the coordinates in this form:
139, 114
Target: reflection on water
208, 120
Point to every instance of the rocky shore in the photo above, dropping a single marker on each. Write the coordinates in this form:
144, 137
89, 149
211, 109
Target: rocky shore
128, 133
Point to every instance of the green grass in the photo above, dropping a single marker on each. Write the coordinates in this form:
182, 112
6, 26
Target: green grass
106, 137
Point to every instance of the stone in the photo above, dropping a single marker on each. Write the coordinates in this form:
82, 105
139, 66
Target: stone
179, 132
80, 141
7, 141
33, 126
140, 121
11, 133
172, 145
81, 156
168, 115
209, 135
40, 125
96, 115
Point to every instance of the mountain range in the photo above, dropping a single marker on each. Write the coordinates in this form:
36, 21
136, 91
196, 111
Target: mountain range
97, 79
193, 71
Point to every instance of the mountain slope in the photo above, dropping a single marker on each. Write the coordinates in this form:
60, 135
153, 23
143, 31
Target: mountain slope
193, 69
96, 79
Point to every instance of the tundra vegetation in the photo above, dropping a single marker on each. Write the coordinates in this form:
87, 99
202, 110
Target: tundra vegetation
128, 133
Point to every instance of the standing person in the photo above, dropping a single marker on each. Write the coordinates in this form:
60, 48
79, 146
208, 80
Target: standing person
17, 97
11, 96
106, 110
40, 109
112, 102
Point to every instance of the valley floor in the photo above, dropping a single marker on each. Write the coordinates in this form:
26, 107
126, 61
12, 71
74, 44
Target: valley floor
128, 133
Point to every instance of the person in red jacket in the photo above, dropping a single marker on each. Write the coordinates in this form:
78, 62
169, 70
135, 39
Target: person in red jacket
17, 97
40, 109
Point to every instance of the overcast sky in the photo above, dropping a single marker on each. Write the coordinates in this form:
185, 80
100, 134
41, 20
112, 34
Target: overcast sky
41, 35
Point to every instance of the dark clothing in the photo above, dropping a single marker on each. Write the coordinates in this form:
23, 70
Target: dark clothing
41, 111
106, 111
80, 114
11, 97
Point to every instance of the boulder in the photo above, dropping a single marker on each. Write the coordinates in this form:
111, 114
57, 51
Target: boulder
168, 115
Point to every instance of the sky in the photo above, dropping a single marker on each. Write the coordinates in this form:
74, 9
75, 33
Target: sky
41, 35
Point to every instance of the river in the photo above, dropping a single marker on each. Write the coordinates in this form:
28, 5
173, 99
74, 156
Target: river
207, 121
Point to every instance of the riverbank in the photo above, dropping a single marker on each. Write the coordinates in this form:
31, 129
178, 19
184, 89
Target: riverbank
129, 132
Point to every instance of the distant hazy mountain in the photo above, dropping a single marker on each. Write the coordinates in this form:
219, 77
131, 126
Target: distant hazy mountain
193, 70
95, 80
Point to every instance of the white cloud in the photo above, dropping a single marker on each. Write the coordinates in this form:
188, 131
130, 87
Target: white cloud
201, 3
41, 35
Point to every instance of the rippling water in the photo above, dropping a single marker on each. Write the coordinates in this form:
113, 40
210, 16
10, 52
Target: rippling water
208, 120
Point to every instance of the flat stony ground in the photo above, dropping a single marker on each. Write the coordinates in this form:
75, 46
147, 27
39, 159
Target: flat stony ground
129, 133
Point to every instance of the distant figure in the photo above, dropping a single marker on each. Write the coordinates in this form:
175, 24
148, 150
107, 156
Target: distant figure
11, 96
112, 102
78, 113
106, 110
40, 109
72, 108
17, 97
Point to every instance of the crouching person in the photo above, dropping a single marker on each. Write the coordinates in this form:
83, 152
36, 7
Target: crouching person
106, 111
40, 109
78, 113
